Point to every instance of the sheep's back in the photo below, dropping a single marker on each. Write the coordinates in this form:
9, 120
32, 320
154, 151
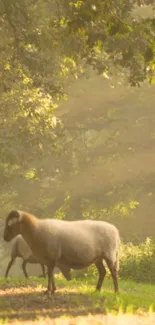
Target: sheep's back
83, 240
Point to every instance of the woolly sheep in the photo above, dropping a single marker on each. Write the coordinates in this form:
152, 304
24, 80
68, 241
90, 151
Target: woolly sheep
21, 249
76, 244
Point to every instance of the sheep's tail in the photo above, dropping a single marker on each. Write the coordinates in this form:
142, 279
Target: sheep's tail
117, 260
117, 254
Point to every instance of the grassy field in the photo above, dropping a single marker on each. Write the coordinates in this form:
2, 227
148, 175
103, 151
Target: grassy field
76, 302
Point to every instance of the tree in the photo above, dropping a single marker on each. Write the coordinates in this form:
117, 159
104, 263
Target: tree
45, 46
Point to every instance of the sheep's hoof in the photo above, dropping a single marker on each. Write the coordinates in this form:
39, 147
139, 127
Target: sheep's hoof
48, 292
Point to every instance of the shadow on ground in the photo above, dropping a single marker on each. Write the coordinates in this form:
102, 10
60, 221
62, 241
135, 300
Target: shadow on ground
29, 302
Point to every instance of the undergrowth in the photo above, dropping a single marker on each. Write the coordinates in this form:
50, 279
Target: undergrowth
137, 263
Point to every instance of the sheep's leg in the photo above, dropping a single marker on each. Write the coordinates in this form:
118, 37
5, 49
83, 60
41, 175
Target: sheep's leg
51, 284
8, 267
102, 273
24, 268
43, 270
114, 273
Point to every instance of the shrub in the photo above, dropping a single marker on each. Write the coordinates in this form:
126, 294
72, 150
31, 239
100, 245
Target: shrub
137, 262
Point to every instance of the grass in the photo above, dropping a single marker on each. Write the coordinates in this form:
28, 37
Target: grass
24, 300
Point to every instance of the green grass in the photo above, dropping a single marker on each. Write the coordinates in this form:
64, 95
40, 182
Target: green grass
133, 296
23, 299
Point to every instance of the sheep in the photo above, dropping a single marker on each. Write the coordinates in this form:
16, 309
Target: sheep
76, 244
21, 249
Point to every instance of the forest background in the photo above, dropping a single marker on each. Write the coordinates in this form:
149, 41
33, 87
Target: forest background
77, 118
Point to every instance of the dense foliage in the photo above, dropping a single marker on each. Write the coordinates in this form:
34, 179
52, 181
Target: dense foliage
78, 158
137, 263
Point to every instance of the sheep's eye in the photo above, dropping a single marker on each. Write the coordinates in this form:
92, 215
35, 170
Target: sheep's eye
9, 227
12, 221
9, 223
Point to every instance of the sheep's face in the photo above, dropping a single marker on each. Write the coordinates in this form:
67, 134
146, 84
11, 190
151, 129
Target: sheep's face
12, 225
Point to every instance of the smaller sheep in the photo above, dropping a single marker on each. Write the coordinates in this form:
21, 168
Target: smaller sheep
21, 249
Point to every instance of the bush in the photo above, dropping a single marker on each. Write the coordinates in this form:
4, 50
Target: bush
137, 262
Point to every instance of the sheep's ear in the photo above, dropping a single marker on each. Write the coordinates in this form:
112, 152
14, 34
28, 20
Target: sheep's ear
20, 216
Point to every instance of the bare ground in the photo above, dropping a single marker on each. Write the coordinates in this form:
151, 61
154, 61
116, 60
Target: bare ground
30, 302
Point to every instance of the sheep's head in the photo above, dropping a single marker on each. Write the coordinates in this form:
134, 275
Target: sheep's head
12, 225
